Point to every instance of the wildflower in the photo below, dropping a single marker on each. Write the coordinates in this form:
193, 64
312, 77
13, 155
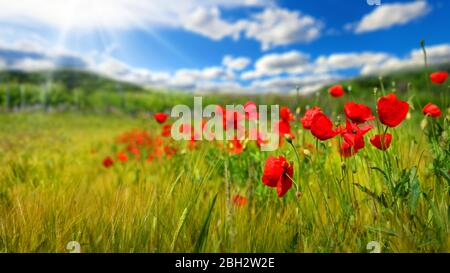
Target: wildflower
123, 157
432, 110
309, 115
133, 150
286, 115
278, 174
391, 110
161, 117
170, 151
353, 136
358, 113
239, 200
322, 127
108, 162
336, 90
166, 130
382, 141
439, 77
283, 128
235, 146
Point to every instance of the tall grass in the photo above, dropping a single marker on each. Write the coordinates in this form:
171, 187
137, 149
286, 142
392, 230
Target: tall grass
54, 189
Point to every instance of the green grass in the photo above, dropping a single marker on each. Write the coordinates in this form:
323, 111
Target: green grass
54, 189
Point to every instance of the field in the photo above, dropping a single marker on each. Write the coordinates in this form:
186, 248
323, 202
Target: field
209, 196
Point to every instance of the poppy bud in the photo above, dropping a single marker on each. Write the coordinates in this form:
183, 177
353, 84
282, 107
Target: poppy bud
288, 138
306, 152
424, 123
343, 165
298, 194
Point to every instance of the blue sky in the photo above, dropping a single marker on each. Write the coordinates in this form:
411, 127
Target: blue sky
223, 45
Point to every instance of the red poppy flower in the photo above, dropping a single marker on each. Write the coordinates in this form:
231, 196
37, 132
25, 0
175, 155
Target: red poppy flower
358, 113
192, 141
159, 151
150, 158
278, 173
347, 149
170, 151
336, 90
235, 146
439, 77
391, 110
353, 138
432, 110
133, 149
322, 127
286, 114
283, 128
309, 115
161, 117
239, 200
123, 157
108, 162
382, 141
166, 130
251, 112
158, 141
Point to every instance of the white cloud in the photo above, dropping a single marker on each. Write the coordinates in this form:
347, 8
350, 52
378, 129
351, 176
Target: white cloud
29, 64
272, 27
277, 26
207, 21
340, 61
113, 67
275, 72
295, 63
306, 84
275, 64
234, 64
108, 14
388, 15
436, 54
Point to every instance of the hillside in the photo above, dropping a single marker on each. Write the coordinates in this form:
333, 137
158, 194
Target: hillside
85, 91
69, 79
